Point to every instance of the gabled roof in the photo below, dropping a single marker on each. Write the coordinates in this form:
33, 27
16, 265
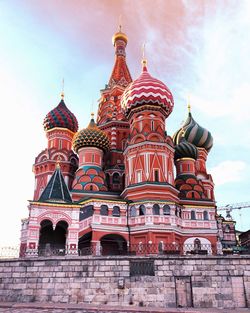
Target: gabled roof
56, 189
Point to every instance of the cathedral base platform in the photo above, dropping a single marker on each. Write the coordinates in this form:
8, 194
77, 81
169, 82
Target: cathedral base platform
149, 283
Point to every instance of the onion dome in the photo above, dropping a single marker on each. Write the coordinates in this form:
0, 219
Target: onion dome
119, 36
92, 136
185, 150
194, 133
147, 90
61, 117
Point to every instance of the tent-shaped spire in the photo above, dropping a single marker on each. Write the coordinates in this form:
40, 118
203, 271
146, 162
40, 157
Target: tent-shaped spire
120, 74
56, 189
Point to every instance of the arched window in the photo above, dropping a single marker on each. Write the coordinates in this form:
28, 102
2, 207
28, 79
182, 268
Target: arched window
116, 211
142, 209
193, 217
108, 179
166, 209
197, 244
104, 210
160, 246
227, 229
86, 212
205, 215
133, 211
116, 178
156, 209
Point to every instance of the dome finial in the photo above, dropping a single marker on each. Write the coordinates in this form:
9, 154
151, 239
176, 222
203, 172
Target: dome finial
62, 92
188, 104
144, 60
120, 24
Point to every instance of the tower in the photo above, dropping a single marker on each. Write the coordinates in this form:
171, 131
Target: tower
111, 118
90, 144
149, 154
60, 125
192, 133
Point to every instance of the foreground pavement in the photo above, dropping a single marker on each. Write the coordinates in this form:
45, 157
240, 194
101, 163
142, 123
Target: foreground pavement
8, 307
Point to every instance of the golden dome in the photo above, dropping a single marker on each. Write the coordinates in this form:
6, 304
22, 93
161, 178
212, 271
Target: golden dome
119, 36
92, 136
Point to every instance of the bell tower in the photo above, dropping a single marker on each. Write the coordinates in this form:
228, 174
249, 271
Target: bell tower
111, 118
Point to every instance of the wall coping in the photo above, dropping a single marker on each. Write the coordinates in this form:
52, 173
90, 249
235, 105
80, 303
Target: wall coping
124, 258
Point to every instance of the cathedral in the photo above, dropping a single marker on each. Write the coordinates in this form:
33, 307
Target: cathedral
123, 184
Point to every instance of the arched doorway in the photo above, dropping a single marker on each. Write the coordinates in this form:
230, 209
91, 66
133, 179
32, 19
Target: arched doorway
52, 242
113, 245
84, 244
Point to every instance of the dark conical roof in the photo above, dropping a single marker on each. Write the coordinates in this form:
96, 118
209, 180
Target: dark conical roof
56, 189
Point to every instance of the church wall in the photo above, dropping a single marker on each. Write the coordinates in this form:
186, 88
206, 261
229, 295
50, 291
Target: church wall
222, 282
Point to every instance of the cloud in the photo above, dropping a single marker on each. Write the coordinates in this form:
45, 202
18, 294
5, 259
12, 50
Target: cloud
228, 172
219, 66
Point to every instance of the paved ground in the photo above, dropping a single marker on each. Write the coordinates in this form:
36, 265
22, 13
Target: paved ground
84, 308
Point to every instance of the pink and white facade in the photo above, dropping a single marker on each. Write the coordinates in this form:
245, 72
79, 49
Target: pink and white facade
124, 183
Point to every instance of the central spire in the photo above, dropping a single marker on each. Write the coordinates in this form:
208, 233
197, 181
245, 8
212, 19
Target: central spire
120, 74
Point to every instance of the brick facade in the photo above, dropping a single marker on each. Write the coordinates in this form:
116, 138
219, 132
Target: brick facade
222, 282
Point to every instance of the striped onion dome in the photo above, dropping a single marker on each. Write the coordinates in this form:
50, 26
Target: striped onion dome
147, 90
185, 150
61, 117
92, 136
194, 133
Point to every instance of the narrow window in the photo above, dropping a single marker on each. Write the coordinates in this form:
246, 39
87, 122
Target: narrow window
205, 215
139, 176
193, 217
104, 210
133, 211
197, 244
142, 209
157, 175
116, 178
166, 209
116, 211
152, 125
60, 144
156, 209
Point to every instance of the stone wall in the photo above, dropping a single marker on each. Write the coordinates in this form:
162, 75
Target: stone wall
206, 281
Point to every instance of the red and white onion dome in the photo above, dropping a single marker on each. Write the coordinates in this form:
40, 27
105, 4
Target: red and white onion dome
147, 90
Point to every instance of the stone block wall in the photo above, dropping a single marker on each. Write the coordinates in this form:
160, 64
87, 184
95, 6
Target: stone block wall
208, 281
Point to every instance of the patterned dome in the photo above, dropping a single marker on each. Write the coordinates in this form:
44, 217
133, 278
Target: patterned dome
147, 90
194, 133
185, 150
92, 136
61, 117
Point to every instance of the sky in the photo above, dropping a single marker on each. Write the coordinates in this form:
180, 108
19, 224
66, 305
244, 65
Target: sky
196, 47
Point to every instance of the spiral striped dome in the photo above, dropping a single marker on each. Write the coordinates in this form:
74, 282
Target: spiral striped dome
194, 133
61, 117
92, 136
147, 90
185, 150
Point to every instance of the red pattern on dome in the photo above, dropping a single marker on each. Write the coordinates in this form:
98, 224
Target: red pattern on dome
61, 117
147, 90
